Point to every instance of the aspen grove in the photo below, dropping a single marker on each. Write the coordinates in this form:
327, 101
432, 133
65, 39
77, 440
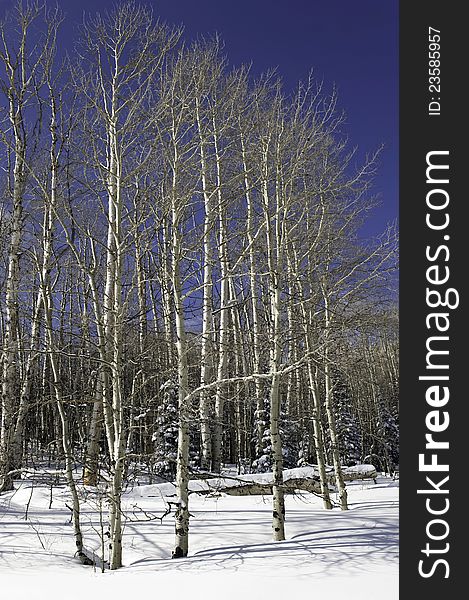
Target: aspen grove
185, 286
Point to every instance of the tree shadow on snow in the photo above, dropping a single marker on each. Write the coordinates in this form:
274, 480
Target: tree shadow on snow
356, 547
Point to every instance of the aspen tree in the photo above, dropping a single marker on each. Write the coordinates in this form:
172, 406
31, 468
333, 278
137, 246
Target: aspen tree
179, 149
224, 312
228, 98
252, 226
346, 272
273, 212
47, 294
124, 51
23, 59
203, 89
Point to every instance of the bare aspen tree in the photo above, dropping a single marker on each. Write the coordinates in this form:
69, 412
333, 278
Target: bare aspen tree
182, 474
22, 59
124, 51
316, 406
224, 312
46, 185
346, 273
203, 89
48, 299
314, 121
273, 211
173, 133
90, 468
164, 276
227, 104
329, 410
252, 227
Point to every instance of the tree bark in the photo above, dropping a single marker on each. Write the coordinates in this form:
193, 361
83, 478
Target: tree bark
259, 400
10, 395
328, 401
206, 350
181, 545
224, 315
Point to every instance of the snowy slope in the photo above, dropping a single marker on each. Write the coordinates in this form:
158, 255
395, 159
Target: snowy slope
351, 554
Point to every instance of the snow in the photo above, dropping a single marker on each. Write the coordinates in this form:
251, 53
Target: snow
362, 469
351, 554
214, 484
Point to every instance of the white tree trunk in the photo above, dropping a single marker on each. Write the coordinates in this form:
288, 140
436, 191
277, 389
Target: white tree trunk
101, 408
181, 542
272, 218
113, 321
10, 340
206, 358
182, 473
224, 317
278, 501
65, 437
318, 437
47, 294
166, 295
259, 400
328, 402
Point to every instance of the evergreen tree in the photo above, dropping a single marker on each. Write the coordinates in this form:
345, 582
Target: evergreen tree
348, 432
263, 461
388, 428
292, 441
166, 433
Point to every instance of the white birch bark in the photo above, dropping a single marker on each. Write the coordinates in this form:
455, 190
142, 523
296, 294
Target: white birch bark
206, 350
181, 544
47, 294
259, 400
101, 408
224, 313
272, 218
113, 331
242, 387
319, 437
313, 387
65, 437
17, 83
165, 286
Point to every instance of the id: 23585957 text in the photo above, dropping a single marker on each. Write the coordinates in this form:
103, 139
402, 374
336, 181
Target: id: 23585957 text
434, 71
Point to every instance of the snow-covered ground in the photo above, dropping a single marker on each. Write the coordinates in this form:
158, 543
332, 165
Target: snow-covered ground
352, 554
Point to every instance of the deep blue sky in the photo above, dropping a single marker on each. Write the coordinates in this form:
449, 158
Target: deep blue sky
350, 43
